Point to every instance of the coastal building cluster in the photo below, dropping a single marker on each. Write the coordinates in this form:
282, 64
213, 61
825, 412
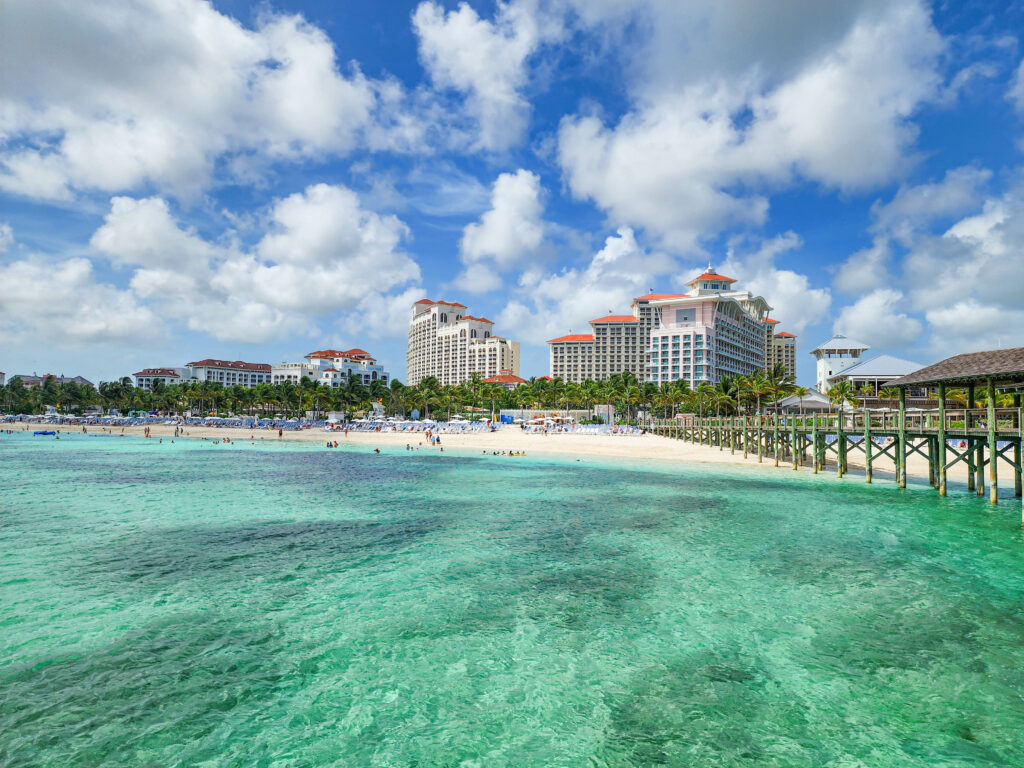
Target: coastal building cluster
711, 331
329, 367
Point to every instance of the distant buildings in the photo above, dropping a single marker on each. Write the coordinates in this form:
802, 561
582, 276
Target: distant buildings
712, 331
505, 380
36, 381
332, 367
230, 373
446, 342
615, 344
147, 377
834, 356
3, 380
697, 336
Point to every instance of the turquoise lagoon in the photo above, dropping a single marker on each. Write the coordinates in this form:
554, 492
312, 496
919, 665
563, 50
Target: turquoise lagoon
192, 604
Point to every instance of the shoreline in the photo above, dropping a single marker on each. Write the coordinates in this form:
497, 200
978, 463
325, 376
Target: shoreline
648, 447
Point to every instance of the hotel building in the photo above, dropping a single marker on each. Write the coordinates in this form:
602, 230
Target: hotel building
147, 377
712, 331
842, 359
230, 373
332, 367
615, 344
781, 348
834, 356
446, 342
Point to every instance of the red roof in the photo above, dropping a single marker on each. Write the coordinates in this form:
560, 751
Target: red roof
615, 319
424, 301
655, 296
573, 337
165, 372
446, 303
477, 319
348, 354
237, 365
545, 378
331, 370
784, 335
504, 378
713, 276
769, 320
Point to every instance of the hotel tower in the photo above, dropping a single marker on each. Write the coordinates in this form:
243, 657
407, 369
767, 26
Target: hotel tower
447, 342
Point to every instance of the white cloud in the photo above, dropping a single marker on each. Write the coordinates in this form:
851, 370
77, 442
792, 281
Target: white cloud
971, 326
914, 207
689, 161
795, 303
6, 237
144, 233
866, 270
876, 320
61, 303
507, 235
549, 305
322, 255
113, 94
485, 61
1016, 92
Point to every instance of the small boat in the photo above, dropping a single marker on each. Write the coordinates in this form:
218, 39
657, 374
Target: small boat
44, 432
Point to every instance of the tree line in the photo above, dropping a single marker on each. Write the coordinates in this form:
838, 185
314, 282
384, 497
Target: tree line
429, 397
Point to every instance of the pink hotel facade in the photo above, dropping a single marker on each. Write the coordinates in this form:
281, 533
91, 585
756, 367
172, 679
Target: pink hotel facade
699, 336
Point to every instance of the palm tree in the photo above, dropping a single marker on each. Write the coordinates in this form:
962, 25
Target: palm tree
801, 393
889, 394
843, 393
758, 386
779, 382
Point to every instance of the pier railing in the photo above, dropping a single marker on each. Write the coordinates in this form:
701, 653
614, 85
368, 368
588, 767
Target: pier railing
979, 438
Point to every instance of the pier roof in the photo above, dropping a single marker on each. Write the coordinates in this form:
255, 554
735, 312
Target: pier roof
840, 343
1004, 366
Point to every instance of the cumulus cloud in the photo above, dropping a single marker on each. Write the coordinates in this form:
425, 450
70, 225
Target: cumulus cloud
549, 304
866, 270
914, 207
6, 237
877, 320
321, 256
112, 95
688, 162
62, 302
485, 61
506, 235
796, 303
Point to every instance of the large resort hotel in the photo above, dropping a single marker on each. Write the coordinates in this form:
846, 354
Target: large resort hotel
699, 336
448, 343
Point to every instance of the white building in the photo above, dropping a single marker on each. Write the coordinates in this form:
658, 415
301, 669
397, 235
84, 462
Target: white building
616, 344
712, 331
446, 342
834, 356
147, 377
230, 373
331, 367
875, 373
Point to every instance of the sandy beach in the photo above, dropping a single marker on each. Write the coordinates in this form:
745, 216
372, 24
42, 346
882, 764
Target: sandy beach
513, 439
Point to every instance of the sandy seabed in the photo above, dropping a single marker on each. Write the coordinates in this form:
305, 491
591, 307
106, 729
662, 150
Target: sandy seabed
513, 439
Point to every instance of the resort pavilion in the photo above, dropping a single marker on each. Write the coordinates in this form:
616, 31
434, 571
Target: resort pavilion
995, 371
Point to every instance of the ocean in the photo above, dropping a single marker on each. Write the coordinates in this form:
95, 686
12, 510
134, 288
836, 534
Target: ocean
191, 604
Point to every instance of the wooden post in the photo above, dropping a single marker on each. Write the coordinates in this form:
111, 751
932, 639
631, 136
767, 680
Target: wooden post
814, 443
942, 439
775, 438
840, 443
792, 444
732, 434
901, 441
993, 452
760, 438
868, 445
744, 435
979, 466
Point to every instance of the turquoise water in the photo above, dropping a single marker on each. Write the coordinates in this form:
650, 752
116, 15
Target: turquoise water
201, 605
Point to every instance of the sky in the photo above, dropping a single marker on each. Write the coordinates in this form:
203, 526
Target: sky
183, 179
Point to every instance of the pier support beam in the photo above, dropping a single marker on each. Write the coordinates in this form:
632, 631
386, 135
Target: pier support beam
744, 436
901, 441
814, 443
775, 438
941, 434
993, 452
868, 445
792, 443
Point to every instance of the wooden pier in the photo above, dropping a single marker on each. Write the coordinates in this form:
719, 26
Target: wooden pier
987, 441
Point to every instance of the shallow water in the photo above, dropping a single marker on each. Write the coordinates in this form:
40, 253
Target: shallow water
197, 605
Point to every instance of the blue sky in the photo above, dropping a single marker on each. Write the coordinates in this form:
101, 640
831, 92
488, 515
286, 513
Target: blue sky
182, 179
